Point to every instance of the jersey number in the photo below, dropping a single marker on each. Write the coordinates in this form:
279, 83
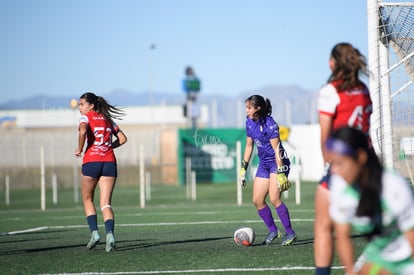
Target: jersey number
100, 133
356, 118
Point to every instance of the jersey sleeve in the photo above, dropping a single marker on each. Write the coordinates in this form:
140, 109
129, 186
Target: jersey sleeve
272, 128
342, 206
328, 99
83, 119
249, 127
399, 197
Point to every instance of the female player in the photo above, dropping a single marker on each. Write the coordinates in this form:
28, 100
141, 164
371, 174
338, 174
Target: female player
373, 201
97, 129
343, 101
274, 166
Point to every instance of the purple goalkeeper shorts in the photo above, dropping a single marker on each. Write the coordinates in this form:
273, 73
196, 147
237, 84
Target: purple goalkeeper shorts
266, 168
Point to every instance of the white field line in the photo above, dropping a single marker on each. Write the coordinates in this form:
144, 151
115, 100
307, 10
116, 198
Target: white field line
205, 222
25, 231
218, 270
141, 224
202, 213
120, 214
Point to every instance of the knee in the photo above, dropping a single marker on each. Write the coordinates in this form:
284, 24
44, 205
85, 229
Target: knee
87, 197
275, 201
258, 203
323, 226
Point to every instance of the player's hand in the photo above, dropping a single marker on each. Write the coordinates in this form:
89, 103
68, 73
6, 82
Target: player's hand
78, 153
242, 177
284, 183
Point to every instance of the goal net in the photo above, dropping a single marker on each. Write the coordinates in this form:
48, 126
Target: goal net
391, 61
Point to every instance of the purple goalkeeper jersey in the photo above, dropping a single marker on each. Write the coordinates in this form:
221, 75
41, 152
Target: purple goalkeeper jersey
262, 131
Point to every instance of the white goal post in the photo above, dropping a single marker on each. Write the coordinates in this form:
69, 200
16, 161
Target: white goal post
391, 82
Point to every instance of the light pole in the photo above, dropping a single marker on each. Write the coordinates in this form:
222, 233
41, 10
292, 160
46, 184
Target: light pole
191, 86
74, 106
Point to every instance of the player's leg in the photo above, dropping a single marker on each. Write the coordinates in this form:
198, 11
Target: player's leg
106, 187
323, 240
88, 185
281, 210
260, 191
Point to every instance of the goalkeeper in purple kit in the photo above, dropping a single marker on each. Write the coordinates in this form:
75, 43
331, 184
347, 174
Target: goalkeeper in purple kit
274, 166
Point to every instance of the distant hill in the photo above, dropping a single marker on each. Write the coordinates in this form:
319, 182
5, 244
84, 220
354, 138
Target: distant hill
291, 104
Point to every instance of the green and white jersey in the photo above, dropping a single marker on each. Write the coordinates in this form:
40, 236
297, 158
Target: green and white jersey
397, 215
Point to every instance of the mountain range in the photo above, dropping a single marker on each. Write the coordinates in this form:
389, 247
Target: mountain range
290, 104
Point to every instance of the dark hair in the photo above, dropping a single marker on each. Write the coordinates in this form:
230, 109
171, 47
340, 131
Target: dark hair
369, 183
263, 105
189, 71
349, 64
103, 107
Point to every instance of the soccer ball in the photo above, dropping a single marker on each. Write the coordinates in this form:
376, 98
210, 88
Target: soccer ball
244, 236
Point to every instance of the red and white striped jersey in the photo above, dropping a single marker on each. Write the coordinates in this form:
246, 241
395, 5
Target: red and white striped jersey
351, 108
99, 138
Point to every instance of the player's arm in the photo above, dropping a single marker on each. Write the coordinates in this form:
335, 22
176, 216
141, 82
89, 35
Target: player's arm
409, 235
284, 183
344, 246
325, 122
120, 139
81, 139
275, 142
248, 150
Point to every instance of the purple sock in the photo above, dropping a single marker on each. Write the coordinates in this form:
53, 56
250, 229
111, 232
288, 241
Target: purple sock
266, 215
284, 217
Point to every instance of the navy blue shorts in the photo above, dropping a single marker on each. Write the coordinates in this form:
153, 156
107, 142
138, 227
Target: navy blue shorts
326, 178
98, 169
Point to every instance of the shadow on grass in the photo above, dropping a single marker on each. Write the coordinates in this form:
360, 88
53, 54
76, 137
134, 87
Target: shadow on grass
40, 249
146, 244
127, 245
32, 237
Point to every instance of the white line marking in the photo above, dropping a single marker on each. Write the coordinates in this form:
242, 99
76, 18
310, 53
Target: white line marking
205, 222
25, 231
286, 268
142, 224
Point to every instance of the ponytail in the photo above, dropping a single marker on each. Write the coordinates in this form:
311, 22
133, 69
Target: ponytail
369, 183
267, 110
349, 65
263, 105
370, 188
103, 107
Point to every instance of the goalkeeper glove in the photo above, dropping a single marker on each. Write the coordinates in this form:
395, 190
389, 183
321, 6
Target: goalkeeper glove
284, 183
242, 175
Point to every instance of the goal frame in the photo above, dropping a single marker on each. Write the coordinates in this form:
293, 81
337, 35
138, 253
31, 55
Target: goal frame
381, 129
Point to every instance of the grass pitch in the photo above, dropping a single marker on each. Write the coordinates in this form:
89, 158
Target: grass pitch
171, 235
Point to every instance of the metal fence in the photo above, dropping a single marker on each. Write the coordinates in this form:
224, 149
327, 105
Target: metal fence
21, 155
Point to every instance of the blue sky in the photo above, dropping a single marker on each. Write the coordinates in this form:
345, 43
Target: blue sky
68, 47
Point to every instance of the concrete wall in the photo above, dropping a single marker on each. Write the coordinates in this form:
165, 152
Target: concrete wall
304, 141
153, 129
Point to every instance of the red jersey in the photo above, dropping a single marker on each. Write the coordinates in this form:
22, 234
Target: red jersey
98, 137
351, 107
